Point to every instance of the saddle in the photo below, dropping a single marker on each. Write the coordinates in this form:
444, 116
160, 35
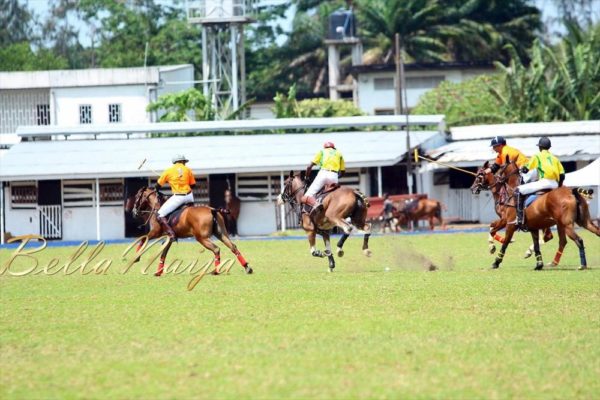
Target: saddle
173, 217
409, 206
533, 197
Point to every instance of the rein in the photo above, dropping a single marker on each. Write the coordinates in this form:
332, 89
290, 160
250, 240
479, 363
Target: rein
152, 210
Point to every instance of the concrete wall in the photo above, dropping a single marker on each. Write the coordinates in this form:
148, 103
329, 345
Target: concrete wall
79, 223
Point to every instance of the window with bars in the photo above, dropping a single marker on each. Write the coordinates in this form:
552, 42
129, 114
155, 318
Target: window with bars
383, 83
78, 193
23, 195
114, 113
85, 113
111, 192
43, 114
258, 187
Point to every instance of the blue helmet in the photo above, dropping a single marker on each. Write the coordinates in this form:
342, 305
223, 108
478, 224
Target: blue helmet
544, 143
498, 140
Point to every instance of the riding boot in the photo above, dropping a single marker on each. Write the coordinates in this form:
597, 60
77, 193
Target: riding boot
166, 227
520, 200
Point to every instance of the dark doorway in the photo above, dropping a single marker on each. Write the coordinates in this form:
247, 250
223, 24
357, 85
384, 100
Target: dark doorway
133, 227
49, 193
216, 189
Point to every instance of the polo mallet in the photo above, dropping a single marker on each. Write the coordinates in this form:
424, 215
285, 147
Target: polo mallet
417, 156
147, 169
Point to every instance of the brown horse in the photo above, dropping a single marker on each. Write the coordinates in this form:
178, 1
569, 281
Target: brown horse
487, 181
233, 204
562, 207
338, 205
201, 222
428, 209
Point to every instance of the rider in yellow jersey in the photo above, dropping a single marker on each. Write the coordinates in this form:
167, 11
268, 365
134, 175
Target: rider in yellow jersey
544, 171
499, 145
332, 167
181, 179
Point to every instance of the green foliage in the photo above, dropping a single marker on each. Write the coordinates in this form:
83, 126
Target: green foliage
20, 57
465, 103
178, 107
286, 106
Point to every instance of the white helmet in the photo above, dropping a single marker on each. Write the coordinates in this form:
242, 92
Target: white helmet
179, 157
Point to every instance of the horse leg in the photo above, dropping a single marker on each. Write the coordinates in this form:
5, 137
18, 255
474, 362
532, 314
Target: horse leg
562, 242
579, 242
328, 252
365, 247
510, 230
431, 223
340, 245
341, 223
535, 237
163, 256
495, 226
231, 246
545, 239
210, 245
312, 235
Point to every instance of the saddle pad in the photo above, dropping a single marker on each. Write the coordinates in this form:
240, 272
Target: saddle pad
530, 200
173, 218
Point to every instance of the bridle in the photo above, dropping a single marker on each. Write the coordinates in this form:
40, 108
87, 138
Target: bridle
288, 195
141, 199
499, 183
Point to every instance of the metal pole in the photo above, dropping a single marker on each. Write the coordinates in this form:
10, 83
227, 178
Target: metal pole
234, 68
409, 177
2, 212
205, 67
379, 183
282, 207
398, 86
97, 209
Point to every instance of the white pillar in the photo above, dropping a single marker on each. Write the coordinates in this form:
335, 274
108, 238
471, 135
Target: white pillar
1, 212
282, 207
97, 209
234, 68
379, 183
205, 65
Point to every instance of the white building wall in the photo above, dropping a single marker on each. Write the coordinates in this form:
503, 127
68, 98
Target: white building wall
132, 98
79, 223
183, 76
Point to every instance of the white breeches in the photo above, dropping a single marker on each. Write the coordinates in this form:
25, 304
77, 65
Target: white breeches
533, 187
173, 202
323, 177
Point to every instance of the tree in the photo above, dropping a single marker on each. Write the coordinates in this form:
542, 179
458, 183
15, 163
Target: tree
286, 106
20, 57
15, 23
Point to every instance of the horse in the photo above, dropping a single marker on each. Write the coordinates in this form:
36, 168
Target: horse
562, 207
487, 181
232, 203
338, 205
428, 209
201, 222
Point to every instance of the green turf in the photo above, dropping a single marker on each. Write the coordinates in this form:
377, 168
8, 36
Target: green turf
293, 330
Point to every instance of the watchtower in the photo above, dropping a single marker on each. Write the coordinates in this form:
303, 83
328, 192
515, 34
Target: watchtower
223, 61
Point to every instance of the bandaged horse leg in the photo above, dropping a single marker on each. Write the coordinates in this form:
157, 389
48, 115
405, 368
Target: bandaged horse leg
535, 236
328, 252
163, 256
340, 245
313, 248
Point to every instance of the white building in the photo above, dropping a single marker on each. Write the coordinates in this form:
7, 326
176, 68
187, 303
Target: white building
84, 97
376, 94
74, 189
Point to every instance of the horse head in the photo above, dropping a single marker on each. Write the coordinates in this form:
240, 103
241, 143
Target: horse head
482, 181
293, 189
509, 174
145, 198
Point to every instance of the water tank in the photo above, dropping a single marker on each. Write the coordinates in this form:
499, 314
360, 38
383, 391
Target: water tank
342, 25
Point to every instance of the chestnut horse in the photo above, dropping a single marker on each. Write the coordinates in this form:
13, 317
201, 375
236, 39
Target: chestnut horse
487, 181
428, 209
338, 205
233, 204
562, 207
200, 222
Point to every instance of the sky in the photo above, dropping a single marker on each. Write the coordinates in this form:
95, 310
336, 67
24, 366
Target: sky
549, 14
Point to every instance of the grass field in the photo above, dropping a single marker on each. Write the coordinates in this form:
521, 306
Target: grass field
383, 327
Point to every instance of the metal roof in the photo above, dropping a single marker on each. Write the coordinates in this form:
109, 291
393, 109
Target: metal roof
85, 77
86, 159
526, 129
233, 125
474, 152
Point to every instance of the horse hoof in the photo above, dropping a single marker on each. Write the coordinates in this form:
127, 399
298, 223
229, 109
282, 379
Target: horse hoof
367, 253
539, 267
248, 270
331, 269
495, 266
340, 253
492, 249
215, 272
157, 274
551, 264
582, 267
527, 254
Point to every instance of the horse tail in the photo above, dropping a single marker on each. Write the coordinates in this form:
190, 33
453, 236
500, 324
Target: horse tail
582, 217
218, 227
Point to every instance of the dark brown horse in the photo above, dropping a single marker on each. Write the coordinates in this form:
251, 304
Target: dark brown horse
562, 207
487, 181
233, 204
201, 222
338, 205
427, 209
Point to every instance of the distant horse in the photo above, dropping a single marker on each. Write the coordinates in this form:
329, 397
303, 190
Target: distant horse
562, 207
419, 209
487, 181
200, 222
233, 204
338, 205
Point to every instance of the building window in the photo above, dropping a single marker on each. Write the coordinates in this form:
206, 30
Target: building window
114, 113
384, 111
78, 193
43, 114
384, 83
252, 187
85, 114
23, 195
424, 82
111, 192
